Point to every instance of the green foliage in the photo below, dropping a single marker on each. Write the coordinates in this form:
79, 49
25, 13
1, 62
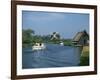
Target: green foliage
67, 42
27, 36
46, 38
37, 38
54, 41
84, 61
30, 38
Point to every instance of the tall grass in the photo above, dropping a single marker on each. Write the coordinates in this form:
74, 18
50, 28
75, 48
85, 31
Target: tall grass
84, 59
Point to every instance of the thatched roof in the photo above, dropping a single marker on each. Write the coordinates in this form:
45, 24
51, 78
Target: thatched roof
79, 35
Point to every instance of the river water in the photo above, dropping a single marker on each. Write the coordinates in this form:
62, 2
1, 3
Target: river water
54, 55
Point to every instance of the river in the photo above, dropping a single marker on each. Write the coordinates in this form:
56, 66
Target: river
54, 55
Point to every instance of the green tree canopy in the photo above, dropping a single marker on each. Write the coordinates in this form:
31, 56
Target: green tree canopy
27, 35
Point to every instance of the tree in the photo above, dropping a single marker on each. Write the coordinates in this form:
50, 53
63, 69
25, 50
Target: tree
27, 35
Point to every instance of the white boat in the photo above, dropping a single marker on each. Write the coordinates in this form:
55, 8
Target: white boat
61, 43
38, 46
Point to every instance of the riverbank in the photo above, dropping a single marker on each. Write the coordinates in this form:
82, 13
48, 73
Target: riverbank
84, 59
67, 42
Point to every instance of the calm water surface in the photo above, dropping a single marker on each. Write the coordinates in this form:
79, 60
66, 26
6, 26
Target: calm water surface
53, 56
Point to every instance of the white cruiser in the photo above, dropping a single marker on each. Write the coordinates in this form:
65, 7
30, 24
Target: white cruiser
38, 46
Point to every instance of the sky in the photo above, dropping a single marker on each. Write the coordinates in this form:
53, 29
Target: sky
45, 23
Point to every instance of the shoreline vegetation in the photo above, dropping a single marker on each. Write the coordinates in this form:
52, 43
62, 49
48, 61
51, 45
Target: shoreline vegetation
84, 59
29, 38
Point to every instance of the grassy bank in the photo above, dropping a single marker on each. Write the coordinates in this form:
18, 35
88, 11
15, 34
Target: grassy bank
67, 42
84, 60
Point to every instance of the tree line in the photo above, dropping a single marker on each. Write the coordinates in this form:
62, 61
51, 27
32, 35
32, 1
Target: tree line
29, 38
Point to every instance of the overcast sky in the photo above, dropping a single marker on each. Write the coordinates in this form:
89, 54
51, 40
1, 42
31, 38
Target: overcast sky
44, 23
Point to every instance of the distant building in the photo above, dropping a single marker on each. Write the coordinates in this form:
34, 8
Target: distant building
81, 38
55, 36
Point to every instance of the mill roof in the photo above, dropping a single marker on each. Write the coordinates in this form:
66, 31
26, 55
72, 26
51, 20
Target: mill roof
79, 35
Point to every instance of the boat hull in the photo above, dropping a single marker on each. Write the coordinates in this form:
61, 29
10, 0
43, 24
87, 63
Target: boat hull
38, 48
